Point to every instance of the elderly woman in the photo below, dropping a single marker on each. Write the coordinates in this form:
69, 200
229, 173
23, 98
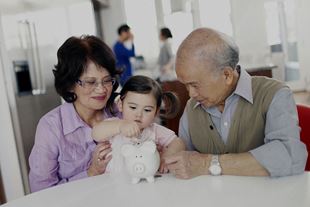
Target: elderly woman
64, 149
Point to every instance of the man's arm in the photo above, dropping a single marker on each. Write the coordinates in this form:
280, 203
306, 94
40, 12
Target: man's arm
282, 154
188, 164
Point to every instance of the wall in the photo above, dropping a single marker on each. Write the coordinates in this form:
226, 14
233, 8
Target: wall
111, 18
9, 163
249, 31
303, 34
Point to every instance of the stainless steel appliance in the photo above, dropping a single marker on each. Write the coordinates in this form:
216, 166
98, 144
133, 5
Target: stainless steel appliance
31, 37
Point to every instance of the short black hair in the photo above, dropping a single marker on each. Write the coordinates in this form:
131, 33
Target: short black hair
73, 57
123, 28
165, 32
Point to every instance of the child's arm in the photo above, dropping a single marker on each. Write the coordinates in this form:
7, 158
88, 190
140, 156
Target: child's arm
107, 129
176, 145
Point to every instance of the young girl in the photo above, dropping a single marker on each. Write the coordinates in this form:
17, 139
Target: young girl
140, 101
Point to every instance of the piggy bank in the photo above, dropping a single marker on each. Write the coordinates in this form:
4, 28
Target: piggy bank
142, 160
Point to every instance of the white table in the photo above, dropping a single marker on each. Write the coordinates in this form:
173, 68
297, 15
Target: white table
226, 191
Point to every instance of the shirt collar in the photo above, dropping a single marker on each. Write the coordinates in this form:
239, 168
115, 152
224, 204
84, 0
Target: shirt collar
243, 89
70, 118
244, 86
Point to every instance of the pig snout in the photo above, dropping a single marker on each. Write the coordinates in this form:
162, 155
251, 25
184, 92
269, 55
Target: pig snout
139, 168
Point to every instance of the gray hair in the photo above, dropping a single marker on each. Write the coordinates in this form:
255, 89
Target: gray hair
209, 45
227, 53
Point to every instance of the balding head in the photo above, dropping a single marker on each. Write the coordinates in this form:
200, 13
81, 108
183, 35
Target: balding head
209, 47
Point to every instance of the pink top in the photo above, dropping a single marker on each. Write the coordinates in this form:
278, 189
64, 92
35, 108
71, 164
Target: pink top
159, 134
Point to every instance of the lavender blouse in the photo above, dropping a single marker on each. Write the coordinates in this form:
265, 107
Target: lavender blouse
62, 150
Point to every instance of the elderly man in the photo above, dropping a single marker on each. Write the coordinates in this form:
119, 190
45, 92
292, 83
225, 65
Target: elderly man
234, 124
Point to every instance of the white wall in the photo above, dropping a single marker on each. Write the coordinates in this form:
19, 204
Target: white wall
9, 163
303, 34
249, 31
111, 18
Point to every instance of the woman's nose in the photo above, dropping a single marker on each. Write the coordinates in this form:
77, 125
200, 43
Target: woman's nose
100, 88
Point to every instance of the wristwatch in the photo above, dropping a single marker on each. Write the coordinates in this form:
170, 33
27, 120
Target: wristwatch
215, 167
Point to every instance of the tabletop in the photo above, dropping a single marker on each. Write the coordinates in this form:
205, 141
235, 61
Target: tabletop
117, 190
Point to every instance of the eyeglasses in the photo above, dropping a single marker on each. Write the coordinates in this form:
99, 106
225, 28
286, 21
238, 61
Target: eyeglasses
91, 84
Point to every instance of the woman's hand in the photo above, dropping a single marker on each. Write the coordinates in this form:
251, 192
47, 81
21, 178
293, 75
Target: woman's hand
101, 158
129, 129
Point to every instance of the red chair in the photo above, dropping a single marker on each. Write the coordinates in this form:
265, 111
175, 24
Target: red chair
304, 123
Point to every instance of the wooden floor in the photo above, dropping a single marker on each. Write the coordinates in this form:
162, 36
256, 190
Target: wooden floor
302, 98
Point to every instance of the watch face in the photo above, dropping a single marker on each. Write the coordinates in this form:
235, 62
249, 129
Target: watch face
215, 170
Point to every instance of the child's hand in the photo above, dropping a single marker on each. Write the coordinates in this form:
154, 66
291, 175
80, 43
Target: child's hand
163, 167
129, 129
163, 153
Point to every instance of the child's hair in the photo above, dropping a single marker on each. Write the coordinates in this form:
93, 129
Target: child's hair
146, 85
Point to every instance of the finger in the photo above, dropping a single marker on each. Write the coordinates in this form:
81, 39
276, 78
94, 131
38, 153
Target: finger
161, 168
172, 159
102, 154
103, 147
173, 167
107, 142
106, 160
166, 170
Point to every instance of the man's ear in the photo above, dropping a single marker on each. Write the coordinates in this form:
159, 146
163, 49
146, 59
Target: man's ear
228, 75
119, 104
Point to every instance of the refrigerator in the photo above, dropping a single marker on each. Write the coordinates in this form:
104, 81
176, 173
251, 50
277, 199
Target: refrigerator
31, 37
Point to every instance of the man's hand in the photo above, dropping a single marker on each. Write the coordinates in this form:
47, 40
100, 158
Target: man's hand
188, 164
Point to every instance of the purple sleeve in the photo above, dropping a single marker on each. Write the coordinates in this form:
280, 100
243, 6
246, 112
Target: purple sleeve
43, 160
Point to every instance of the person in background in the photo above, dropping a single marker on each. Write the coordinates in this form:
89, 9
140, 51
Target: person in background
234, 124
140, 101
166, 57
124, 49
64, 149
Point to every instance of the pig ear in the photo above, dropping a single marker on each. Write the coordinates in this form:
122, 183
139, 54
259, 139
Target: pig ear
127, 149
148, 146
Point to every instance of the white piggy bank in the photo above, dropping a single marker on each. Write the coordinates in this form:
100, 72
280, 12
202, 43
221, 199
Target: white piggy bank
142, 160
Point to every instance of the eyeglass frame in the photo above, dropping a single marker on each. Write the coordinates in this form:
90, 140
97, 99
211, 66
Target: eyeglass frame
96, 83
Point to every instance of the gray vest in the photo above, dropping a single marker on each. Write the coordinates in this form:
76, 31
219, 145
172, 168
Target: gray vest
247, 130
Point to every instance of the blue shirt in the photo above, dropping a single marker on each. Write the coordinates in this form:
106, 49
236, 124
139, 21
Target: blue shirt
283, 153
123, 60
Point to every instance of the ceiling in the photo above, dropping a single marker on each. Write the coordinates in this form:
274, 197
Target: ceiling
16, 6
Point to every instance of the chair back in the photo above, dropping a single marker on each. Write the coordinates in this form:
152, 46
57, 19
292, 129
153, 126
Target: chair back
180, 90
304, 123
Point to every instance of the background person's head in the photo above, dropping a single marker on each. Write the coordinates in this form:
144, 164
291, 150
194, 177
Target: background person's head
124, 32
143, 96
85, 72
165, 33
206, 63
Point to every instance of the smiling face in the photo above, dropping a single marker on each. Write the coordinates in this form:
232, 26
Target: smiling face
138, 107
92, 99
